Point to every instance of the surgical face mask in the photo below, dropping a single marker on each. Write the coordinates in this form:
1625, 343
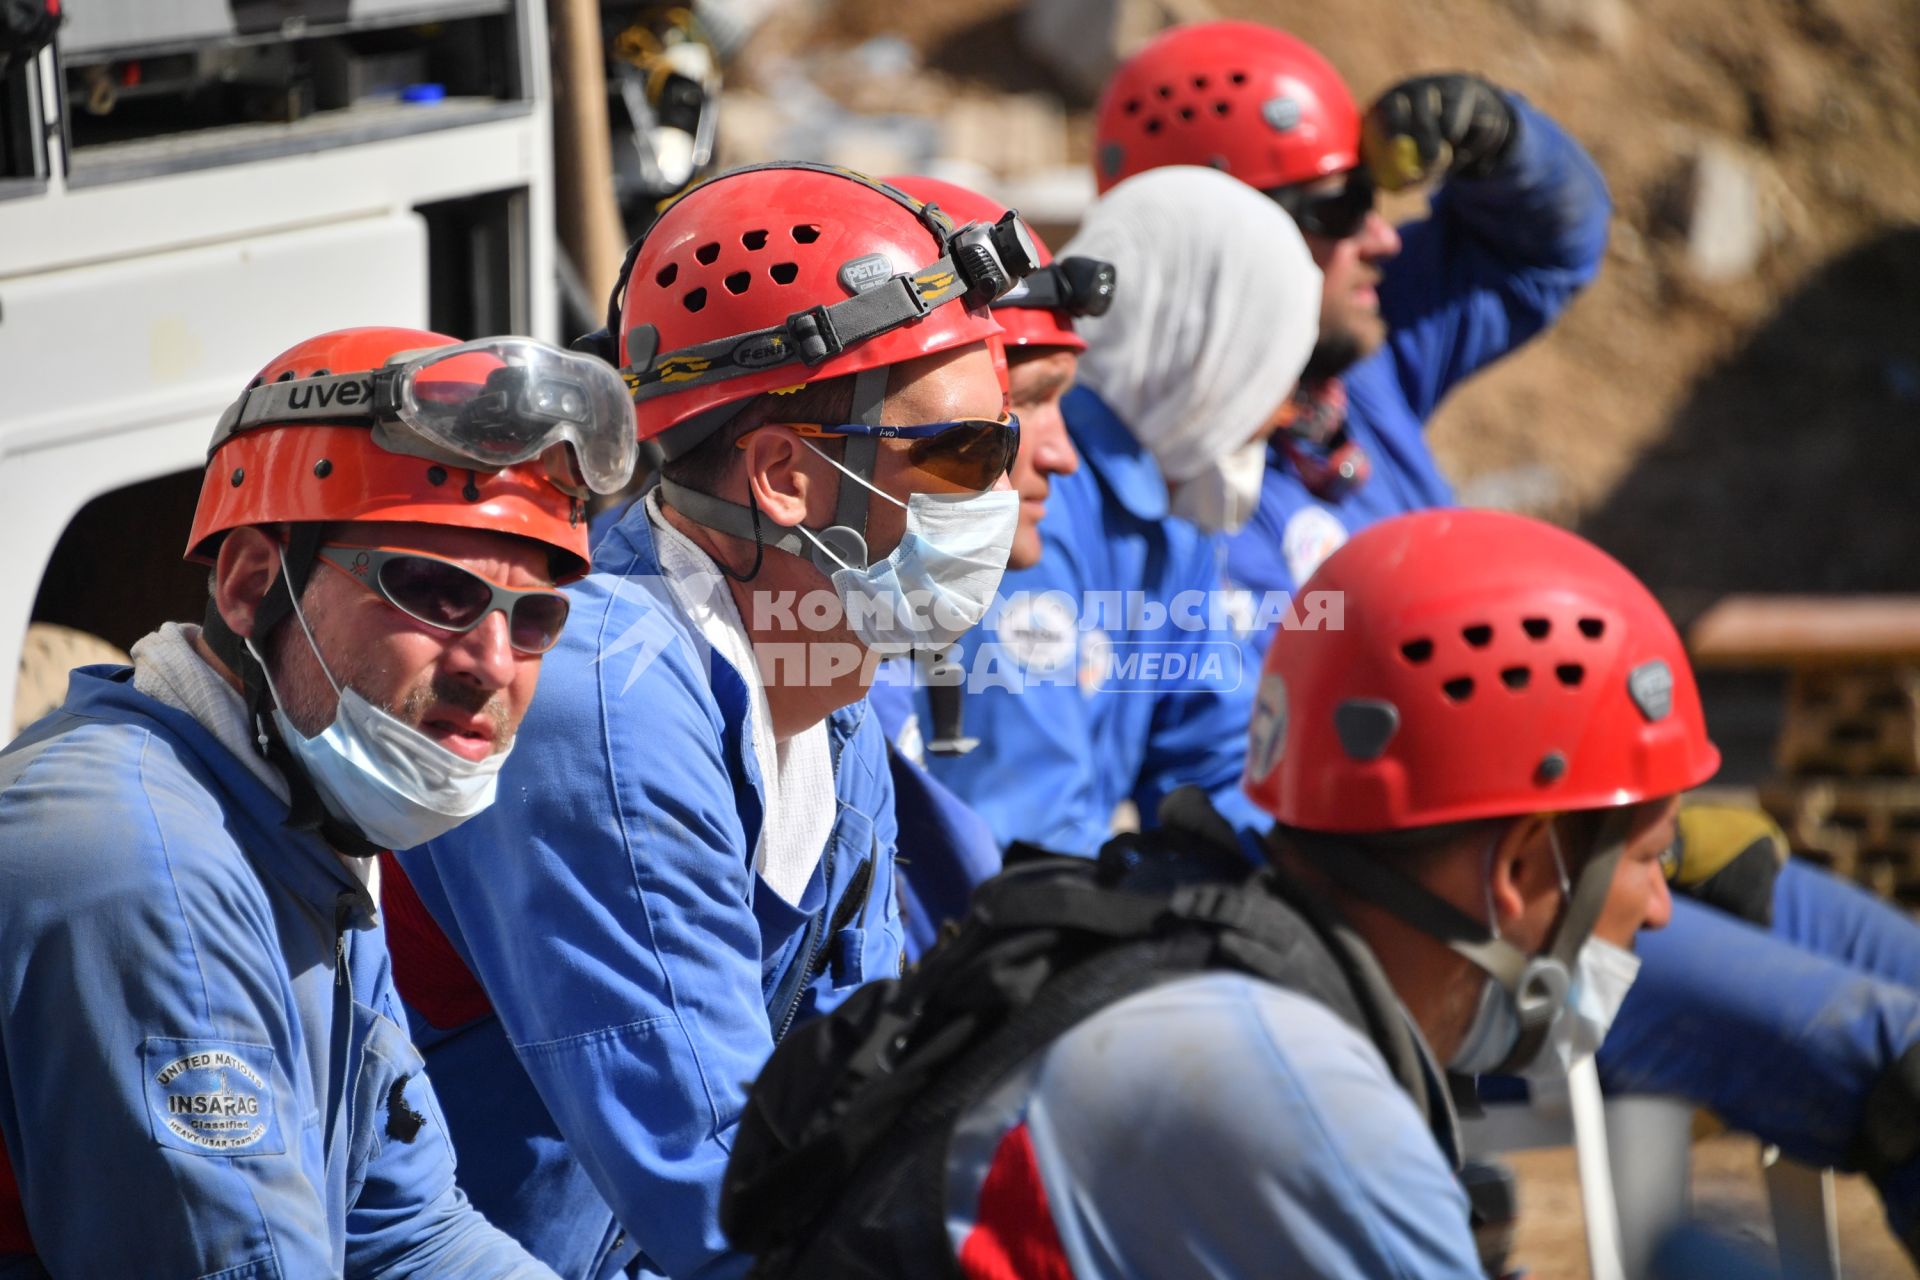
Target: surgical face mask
1497, 1024
1602, 973
938, 583
1224, 497
399, 787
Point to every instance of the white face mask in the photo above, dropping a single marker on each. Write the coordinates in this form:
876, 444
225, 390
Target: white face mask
1224, 497
399, 787
1602, 973
938, 583
1496, 1027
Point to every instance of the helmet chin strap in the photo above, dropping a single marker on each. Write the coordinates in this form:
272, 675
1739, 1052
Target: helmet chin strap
1539, 982
846, 537
306, 811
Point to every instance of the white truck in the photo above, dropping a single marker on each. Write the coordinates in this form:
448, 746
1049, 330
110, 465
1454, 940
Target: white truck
188, 187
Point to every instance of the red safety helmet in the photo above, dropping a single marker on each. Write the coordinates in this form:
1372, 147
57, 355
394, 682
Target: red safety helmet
308, 471
1478, 665
1026, 325
1245, 98
727, 295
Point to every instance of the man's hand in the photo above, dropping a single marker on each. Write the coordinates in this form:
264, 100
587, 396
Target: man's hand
1432, 127
1728, 857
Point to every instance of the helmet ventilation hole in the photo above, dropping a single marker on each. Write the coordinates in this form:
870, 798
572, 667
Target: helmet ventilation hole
1458, 689
1222, 107
1570, 674
1515, 678
1199, 82
1238, 77
695, 300
737, 282
1186, 113
1478, 636
1536, 628
1152, 125
753, 241
1165, 90
1132, 107
706, 253
806, 233
1417, 651
666, 274
784, 272
1592, 628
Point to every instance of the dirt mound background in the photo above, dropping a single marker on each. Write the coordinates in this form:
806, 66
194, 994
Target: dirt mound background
1755, 433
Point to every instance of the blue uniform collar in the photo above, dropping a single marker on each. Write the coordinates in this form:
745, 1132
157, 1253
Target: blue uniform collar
303, 862
1107, 445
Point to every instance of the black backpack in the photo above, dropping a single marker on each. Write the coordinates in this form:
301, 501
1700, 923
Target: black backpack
839, 1166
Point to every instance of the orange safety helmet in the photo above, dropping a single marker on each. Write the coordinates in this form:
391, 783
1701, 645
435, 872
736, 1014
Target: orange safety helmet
321, 473
1477, 665
1242, 97
1027, 323
775, 276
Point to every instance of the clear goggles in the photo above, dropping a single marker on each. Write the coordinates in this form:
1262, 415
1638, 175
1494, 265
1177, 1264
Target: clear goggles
483, 405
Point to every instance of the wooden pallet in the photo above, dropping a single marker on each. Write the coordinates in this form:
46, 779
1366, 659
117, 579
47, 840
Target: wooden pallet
1858, 723
1867, 830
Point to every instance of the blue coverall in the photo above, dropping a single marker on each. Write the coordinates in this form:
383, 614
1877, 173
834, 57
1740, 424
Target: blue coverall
202, 1067
1110, 671
1495, 263
633, 972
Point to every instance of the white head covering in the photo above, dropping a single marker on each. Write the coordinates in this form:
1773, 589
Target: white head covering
1215, 311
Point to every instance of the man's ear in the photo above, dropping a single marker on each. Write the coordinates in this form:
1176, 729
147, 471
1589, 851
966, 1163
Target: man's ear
243, 572
1523, 867
780, 474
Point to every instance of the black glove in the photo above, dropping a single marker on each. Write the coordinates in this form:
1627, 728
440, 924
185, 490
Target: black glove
1728, 857
1430, 127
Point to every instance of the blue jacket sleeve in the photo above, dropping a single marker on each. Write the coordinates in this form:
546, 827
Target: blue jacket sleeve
109, 1187
1495, 261
1198, 735
1281, 1145
606, 901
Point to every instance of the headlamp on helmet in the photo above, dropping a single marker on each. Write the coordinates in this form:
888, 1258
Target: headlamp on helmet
1078, 286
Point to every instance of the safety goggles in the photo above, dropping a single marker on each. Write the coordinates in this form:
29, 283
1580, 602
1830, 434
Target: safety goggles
969, 453
1078, 286
1335, 213
483, 405
451, 596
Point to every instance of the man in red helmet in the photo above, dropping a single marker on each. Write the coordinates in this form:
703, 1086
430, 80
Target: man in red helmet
701, 801
1518, 226
191, 951
1204, 1073
954, 849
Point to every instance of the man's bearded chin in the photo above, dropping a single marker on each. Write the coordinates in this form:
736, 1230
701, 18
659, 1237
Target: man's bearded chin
1332, 356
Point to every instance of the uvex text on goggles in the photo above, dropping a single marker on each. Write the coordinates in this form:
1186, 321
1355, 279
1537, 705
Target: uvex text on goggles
480, 405
1078, 286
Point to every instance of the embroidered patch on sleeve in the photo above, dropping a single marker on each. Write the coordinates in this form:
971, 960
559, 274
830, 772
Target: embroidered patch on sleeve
212, 1097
